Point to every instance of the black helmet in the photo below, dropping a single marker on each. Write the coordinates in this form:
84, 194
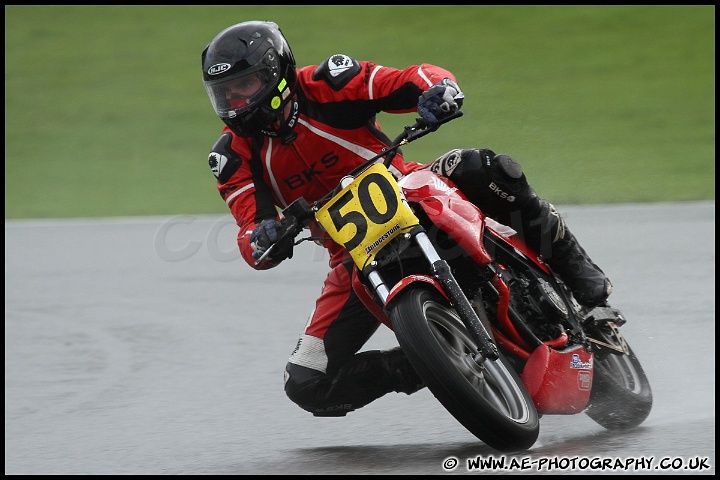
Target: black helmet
249, 74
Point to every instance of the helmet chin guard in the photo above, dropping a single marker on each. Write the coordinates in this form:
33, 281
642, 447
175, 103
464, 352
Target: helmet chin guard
286, 126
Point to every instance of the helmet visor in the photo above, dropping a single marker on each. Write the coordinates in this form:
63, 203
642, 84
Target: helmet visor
239, 94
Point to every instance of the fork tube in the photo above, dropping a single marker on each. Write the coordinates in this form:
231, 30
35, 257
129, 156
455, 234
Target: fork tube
379, 285
427, 247
441, 271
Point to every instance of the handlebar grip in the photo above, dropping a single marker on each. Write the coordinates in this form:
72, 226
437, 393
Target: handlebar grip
422, 128
422, 123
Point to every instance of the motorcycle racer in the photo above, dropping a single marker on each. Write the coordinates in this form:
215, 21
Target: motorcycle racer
295, 132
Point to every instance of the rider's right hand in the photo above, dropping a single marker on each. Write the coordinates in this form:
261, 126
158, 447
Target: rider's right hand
440, 101
268, 233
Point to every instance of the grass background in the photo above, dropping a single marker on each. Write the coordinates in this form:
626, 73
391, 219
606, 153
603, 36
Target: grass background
105, 113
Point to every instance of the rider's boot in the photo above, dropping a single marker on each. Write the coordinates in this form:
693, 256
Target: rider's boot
403, 377
366, 377
546, 232
588, 282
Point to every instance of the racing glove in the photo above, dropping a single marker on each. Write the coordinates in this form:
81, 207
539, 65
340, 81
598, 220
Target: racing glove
439, 101
270, 232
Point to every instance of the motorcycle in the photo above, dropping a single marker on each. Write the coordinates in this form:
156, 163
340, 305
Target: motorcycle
496, 336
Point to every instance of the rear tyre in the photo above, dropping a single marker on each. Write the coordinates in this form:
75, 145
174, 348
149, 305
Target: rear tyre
487, 398
621, 397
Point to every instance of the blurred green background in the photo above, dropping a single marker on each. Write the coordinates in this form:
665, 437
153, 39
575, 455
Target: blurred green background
106, 115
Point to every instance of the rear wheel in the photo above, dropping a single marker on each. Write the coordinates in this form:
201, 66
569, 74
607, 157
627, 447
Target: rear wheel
621, 397
486, 397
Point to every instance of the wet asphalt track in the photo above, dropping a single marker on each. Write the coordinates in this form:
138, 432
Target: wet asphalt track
145, 346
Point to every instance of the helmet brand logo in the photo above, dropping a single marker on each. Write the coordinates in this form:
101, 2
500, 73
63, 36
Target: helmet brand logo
219, 68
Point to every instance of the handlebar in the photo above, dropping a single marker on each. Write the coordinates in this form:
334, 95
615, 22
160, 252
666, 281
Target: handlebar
411, 133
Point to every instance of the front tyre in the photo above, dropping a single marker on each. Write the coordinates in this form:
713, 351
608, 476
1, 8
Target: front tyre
488, 398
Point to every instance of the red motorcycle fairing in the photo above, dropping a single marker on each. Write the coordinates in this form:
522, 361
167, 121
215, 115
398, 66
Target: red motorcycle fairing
450, 210
559, 381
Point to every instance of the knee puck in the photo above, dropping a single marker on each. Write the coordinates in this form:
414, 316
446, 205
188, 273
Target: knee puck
508, 166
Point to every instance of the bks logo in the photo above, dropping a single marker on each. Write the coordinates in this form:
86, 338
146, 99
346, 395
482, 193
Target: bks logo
297, 180
500, 193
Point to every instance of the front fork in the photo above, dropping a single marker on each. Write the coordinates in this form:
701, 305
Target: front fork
440, 270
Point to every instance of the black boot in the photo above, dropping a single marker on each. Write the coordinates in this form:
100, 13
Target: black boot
588, 282
402, 375
545, 231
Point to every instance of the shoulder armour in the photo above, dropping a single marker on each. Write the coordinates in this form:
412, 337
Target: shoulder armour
337, 71
223, 160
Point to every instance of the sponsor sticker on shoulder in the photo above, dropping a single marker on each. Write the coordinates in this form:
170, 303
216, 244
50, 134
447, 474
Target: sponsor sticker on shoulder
338, 64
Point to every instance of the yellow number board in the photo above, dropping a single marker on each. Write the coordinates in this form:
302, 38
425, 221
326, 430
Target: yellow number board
367, 214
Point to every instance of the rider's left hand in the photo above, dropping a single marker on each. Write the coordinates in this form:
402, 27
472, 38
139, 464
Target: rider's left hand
440, 101
271, 232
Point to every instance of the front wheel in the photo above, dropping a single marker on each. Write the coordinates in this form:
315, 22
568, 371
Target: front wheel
486, 397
